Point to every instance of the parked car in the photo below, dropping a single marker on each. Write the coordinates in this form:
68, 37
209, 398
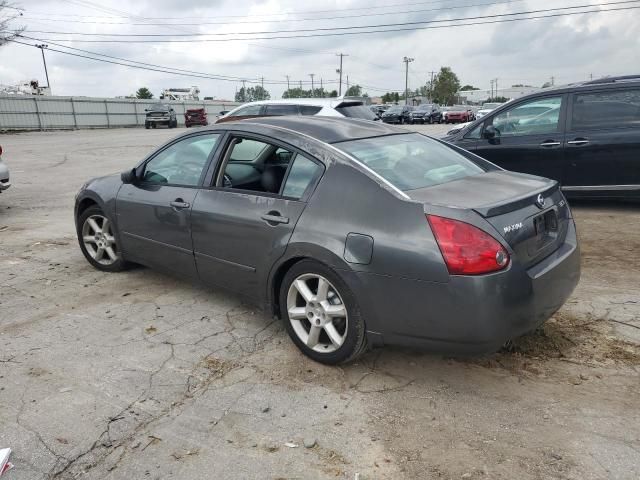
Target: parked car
195, 116
160, 114
398, 114
355, 233
323, 107
486, 108
586, 136
426, 113
4, 174
459, 115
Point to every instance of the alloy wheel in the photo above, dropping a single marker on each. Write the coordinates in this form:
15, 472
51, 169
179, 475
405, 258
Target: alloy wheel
99, 241
317, 313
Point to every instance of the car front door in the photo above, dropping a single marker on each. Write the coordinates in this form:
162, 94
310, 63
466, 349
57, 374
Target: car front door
243, 222
603, 140
154, 213
527, 137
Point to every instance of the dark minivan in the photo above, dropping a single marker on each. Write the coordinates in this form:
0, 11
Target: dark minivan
586, 136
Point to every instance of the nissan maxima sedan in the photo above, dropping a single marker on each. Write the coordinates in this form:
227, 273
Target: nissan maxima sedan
354, 233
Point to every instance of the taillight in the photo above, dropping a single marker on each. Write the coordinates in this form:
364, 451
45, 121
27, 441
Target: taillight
466, 249
0, 149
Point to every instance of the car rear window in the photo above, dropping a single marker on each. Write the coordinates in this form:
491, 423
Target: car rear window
411, 161
356, 111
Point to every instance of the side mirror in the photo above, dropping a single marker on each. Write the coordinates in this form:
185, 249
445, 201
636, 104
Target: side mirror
490, 132
129, 176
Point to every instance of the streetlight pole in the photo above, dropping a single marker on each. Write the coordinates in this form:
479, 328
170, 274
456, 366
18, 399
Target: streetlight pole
406, 61
312, 92
42, 46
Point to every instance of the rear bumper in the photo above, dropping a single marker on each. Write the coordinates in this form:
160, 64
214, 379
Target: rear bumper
469, 314
4, 177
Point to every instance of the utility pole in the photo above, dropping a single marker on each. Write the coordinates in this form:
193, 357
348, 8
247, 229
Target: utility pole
406, 61
431, 87
244, 91
496, 80
321, 88
300, 87
340, 72
262, 88
42, 46
553, 81
491, 81
313, 94
288, 88
347, 90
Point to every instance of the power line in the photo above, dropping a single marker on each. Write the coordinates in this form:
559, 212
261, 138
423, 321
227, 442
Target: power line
307, 12
336, 34
158, 68
325, 29
334, 17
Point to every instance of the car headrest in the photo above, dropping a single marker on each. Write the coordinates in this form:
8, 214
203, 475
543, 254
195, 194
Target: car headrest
272, 178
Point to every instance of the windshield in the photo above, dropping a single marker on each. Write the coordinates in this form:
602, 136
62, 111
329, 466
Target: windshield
396, 109
411, 161
159, 106
424, 108
357, 111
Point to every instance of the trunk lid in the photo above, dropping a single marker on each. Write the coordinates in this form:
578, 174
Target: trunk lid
510, 202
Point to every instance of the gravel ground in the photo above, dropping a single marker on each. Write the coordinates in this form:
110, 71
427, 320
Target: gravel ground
138, 375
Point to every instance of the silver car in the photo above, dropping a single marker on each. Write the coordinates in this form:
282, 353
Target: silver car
4, 174
354, 233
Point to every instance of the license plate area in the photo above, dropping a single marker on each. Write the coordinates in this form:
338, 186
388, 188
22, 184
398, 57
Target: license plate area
546, 228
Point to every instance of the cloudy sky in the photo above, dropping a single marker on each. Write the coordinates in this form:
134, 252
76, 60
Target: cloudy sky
569, 48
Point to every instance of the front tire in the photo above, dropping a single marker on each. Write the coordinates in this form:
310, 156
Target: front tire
98, 242
321, 314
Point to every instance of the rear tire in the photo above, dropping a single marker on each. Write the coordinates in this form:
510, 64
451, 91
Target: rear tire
146, 125
321, 314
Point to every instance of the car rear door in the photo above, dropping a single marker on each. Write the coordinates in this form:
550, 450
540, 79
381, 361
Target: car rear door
529, 137
242, 222
154, 214
603, 140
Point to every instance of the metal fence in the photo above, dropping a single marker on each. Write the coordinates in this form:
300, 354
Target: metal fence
31, 112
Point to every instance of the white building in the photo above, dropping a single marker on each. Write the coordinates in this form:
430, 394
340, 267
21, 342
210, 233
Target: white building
479, 96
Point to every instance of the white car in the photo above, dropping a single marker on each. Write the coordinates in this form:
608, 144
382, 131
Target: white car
487, 108
325, 107
4, 174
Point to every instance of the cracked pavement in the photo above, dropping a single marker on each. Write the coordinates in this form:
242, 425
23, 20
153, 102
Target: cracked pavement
140, 375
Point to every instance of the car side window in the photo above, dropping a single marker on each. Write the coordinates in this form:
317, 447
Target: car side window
254, 165
181, 163
248, 110
535, 117
302, 175
281, 110
607, 109
309, 109
475, 133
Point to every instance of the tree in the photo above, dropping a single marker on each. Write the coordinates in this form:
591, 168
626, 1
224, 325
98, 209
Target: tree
468, 88
354, 91
8, 13
391, 97
252, 94
496, 100
144, 93
333, 93
445, 86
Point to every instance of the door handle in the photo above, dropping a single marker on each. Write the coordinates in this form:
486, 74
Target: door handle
578, 141
274, 218
180, 204
550, 143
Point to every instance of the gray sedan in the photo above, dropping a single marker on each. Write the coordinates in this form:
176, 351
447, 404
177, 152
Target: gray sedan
355, 233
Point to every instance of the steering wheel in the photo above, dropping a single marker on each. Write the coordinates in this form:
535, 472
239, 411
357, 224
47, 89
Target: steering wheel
226, 181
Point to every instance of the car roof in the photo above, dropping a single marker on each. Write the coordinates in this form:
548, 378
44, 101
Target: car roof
320, 102
329, 129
